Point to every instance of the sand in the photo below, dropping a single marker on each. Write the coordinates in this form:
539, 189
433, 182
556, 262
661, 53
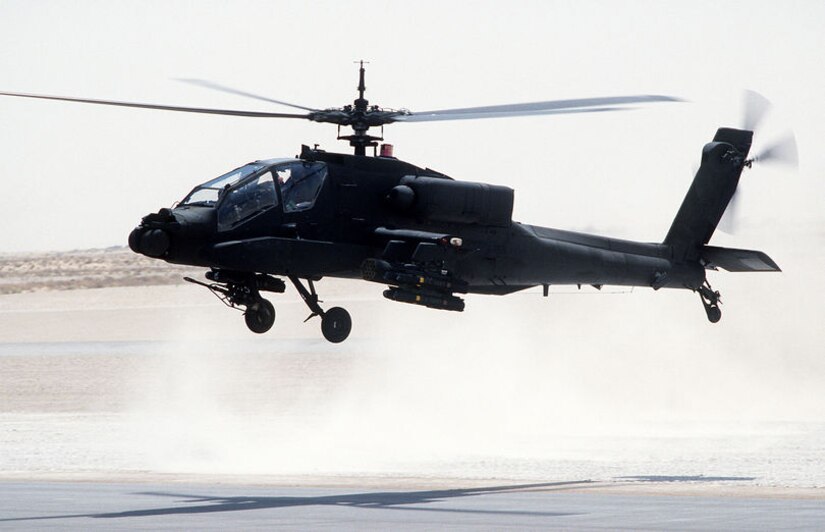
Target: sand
74, 270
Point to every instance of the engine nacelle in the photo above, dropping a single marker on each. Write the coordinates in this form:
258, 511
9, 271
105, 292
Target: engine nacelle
445, 200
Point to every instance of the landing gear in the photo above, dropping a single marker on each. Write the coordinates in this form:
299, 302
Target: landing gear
710, 300
237, 289
260, 317
336, 323
242, 291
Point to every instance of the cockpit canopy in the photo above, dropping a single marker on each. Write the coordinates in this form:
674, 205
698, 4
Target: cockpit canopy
209, 193
252, 189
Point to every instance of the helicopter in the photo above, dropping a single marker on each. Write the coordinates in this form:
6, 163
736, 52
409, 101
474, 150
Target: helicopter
427, 237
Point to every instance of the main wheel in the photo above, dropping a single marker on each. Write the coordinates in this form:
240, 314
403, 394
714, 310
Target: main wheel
336, 325
260, 317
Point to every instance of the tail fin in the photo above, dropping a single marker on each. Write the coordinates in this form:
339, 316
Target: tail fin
709, 194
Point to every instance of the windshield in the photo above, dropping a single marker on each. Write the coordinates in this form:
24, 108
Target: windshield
209, 192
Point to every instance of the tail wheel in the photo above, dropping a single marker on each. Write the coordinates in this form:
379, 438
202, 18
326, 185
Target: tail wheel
714, 314
336, 325
710, 300
260, 317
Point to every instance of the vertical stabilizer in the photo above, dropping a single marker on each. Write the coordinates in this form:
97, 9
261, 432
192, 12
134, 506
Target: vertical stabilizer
710, 193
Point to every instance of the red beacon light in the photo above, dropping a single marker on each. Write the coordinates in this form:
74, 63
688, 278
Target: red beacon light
386, 150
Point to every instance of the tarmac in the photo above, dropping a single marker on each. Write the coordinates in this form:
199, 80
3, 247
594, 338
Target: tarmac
546, 506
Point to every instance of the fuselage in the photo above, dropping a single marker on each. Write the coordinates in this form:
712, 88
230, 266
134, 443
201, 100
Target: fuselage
324, 214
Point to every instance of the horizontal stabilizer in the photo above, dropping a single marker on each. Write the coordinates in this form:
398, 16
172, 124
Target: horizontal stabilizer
738, 260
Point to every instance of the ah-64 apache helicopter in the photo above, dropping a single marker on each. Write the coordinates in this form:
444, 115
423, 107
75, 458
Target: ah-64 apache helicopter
428, 237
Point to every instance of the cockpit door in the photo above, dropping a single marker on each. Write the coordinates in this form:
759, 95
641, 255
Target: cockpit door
300, 183
246, 201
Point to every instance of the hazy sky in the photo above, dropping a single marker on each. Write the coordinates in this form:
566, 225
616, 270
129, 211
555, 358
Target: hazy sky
79, 176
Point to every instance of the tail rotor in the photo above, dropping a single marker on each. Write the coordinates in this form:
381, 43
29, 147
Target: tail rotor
783, 151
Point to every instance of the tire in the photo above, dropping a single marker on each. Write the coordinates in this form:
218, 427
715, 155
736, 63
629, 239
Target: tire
714, 314
261, 318
336, 325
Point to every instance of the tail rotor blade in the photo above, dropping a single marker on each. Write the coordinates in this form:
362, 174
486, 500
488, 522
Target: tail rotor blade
781, 152
756, 107
730, 218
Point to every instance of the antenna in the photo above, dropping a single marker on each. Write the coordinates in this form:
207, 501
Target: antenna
361, 87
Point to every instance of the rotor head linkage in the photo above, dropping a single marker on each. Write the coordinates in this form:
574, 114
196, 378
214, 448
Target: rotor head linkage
359, 140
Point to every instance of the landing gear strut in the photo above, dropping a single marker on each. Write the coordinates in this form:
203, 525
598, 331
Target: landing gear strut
238, 290
242, 291
336, 323
710, 300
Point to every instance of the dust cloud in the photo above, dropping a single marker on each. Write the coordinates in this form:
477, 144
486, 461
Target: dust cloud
512, 383
163, 379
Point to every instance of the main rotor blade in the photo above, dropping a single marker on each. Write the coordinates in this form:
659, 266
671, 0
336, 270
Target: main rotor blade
214, 86
581, 105
158, 107
472, 116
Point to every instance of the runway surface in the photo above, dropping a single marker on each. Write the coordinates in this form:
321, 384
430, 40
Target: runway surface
525, 506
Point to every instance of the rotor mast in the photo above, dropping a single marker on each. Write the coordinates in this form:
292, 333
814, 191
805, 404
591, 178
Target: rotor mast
361, 103
359, 140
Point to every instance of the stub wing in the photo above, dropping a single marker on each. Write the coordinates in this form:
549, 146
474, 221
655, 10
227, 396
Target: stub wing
738, 260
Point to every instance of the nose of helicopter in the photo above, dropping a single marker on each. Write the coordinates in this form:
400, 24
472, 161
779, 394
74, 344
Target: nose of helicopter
169, 234
150, 242
151, 237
